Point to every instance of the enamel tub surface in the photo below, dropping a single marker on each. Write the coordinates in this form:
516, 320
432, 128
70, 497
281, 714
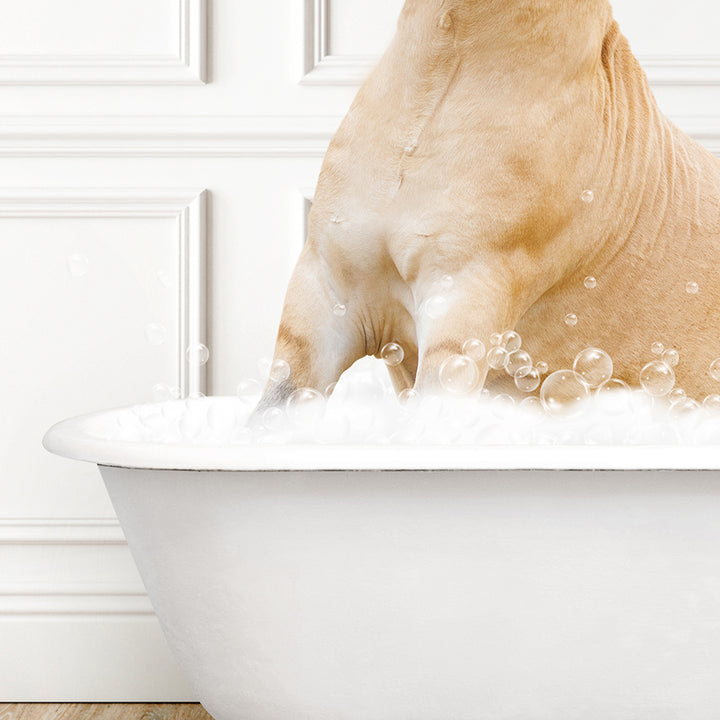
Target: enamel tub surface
391, 592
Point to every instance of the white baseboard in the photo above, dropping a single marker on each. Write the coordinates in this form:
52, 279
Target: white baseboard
75, 622
87, 659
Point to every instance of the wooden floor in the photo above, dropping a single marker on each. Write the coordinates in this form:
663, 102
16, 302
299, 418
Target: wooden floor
102, 711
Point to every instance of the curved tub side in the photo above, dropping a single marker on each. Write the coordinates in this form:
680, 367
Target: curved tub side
370, 596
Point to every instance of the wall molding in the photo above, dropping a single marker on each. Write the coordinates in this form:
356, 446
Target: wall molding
187, 206
78, 597
324, 68
166, 136
63, 599
61, 531
201, 136
682, 70
186, 67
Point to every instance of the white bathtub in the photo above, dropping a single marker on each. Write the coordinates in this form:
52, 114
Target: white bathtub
380, 583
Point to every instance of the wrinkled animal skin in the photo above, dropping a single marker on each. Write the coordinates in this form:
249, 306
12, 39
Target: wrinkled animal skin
466, 154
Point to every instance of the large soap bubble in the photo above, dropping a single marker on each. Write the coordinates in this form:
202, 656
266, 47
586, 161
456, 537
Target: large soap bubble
459, 375
593, 367
562, 393
657, 378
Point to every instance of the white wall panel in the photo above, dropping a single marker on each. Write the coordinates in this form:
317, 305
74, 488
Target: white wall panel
90, 27
361, 28
102, 41
669, 29
79, 279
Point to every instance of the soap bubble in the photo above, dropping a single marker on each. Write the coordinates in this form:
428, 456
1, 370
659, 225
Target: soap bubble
263, 366
155, 333
517, 361
511, 341
571, 320
330, 389
562, 392
715, 370
587, 196
446, 282
671, 358
532, 404
613, 396
590, 282
161, 392
408, 396
542, 367
527, 379
459, 375
279, 370
436, 306
305, 406
163, 277
593, 367
392, 354
474, 349
248, 389
640, 402
684, 407
339, 310
273, 418
657, 348
497, 357
495, 338
692, 288
712, 402
657, 378
502, 406
197, 354
677, 395
78, 264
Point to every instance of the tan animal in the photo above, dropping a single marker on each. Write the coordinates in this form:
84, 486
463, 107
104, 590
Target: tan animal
466, 154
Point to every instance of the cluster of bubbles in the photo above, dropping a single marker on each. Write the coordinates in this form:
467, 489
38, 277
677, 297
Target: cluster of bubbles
460, 374
581, 404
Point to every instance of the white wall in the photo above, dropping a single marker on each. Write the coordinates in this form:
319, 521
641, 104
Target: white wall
171, 145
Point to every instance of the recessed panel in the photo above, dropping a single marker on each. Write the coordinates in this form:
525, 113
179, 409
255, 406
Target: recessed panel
90, 27
361, 27
90, 320
669, 28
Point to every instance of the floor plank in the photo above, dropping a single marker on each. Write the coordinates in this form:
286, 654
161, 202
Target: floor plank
103, 711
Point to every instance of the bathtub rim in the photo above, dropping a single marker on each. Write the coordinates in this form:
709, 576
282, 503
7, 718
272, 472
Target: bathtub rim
70, 439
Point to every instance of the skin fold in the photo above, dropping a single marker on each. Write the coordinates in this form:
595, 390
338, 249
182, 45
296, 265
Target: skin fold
466, 154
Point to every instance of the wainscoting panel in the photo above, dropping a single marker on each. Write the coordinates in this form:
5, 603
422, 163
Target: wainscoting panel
44, 42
